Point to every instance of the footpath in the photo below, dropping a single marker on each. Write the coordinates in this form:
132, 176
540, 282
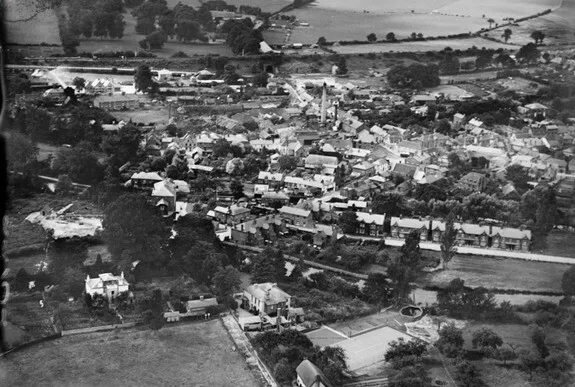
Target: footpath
486, 252
245, 347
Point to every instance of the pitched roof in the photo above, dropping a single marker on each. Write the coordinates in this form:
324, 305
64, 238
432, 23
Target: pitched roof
294, 211
367, 218
164, 188
408, 223
146, 176
268, 292
310, 374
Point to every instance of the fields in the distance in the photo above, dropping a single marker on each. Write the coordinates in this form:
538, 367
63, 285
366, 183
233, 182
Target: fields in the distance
194, 355
43, 28
344, 20
432, 45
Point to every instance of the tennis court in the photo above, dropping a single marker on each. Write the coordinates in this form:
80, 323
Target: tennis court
325, 336
369, 348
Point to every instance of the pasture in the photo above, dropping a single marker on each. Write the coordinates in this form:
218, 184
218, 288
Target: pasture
43, 28
344, 20
197, 354
431, 45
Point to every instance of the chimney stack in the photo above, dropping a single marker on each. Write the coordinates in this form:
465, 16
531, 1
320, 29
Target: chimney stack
323, 103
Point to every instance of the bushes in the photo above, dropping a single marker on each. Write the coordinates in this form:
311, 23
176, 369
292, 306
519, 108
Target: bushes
450, 341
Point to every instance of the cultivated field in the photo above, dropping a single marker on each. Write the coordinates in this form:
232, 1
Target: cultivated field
195, 355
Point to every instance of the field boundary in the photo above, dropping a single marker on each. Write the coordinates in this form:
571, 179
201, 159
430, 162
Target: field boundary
101, 328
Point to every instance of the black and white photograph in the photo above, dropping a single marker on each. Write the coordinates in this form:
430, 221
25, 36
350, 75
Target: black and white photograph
287, 193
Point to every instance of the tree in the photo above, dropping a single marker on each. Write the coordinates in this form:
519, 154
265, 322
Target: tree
504, 355
237, 189
468, 374
321, 41
372, 37
491, 22
449, 64
261, 79
134, 231
287, 163
64, 185
450, 340
530, 361
518, 176
341, 66
377, 288
87, 25
333, 362
152, 308
507, 34
268, 266
528, 53
391, 204
143, 78
538, 36
80, 164
406, 267
484, 59
145, 26
226, 281
538, 338
390, 37
21, 151
79, 83
122, 146
230, 75
71, 282
348, 222
413, 36
407, 76
187, 30
448, 241
568, 282
408, 377
156, 39
115, 26
486, 339
401, 349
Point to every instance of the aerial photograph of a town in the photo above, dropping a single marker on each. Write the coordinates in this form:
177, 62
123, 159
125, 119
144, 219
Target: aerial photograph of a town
288, 193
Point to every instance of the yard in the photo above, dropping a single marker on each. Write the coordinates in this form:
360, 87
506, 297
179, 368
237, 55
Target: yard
197, 354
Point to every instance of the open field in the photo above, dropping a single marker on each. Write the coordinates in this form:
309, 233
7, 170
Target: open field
561, 243
431, 45
43, 28
194, 354
501, 274
131, 40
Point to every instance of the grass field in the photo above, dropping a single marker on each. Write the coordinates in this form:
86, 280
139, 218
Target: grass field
431, 45
195, 355
501, 274
41, 29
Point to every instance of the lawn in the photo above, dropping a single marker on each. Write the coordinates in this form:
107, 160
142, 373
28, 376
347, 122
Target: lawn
561, 243
197, 354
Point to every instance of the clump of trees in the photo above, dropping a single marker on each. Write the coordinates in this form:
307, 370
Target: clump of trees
415, 76
241, 36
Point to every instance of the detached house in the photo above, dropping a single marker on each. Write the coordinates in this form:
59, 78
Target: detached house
107, 285
266, 298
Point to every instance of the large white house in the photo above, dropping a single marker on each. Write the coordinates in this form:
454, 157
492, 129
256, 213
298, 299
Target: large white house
107, 285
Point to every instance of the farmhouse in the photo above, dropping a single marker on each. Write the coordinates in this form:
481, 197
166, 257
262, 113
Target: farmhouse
106, 285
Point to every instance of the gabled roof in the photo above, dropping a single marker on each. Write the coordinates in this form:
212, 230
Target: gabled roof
294, 211
310, 374
268, 292
146, 176
367, 218
409, 223
164, 188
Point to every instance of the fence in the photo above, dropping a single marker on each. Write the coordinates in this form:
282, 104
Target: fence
98, 329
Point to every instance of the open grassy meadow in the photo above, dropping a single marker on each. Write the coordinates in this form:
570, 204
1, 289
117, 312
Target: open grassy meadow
431, 45
42, 28
197, 354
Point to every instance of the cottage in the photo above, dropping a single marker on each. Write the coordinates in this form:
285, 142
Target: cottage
107, 285
511, 239
473, 235
266, 298
308, 375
